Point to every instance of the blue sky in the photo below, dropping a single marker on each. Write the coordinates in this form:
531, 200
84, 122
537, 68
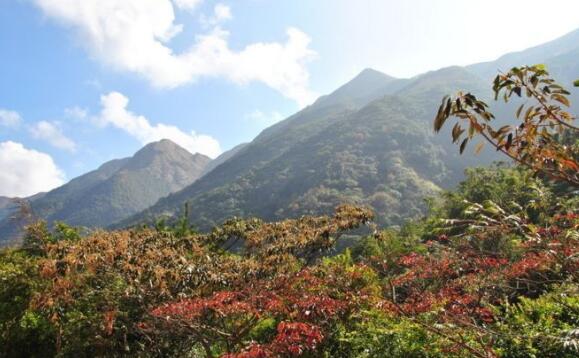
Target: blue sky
87, 81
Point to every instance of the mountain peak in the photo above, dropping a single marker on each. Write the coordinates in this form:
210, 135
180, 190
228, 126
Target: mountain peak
162, 145
116, 190
166, 151
168, 147
370, 73
368, 79
365, 87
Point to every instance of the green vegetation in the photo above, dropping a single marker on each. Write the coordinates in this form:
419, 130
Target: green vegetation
491, 271
115, 191
372, 148
371, 137
111, 293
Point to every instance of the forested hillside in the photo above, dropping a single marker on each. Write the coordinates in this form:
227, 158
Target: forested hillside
114, 191
368, 143
374, 148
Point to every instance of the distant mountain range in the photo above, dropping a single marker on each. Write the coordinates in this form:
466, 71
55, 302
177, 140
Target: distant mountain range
116, 190
370, 142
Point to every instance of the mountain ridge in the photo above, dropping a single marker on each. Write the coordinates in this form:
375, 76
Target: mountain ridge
275, 167
288, 165
118, 188
367, 143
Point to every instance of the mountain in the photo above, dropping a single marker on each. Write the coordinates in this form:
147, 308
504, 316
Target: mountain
10, 206
368, 85
7, 207
223, 158
372, 148
119, 188
370, 142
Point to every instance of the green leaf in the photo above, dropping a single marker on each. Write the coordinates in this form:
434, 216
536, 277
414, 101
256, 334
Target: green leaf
576, 83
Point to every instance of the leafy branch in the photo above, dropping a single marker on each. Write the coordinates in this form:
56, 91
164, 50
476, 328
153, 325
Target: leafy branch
536, 141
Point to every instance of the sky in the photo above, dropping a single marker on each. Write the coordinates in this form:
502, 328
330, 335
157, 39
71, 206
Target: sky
87, 81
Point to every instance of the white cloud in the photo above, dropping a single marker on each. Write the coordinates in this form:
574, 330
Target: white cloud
9, 118
52, 133
187, 4
114, 112
264, 118
221, 13
132, 35
24, 172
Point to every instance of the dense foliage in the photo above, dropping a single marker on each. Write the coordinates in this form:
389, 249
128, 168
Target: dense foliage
491, 271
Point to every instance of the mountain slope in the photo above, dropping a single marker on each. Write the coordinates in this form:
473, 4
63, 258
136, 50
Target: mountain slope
7, 207
369, 142
119, 188
367, 86
223, 158
375, 151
